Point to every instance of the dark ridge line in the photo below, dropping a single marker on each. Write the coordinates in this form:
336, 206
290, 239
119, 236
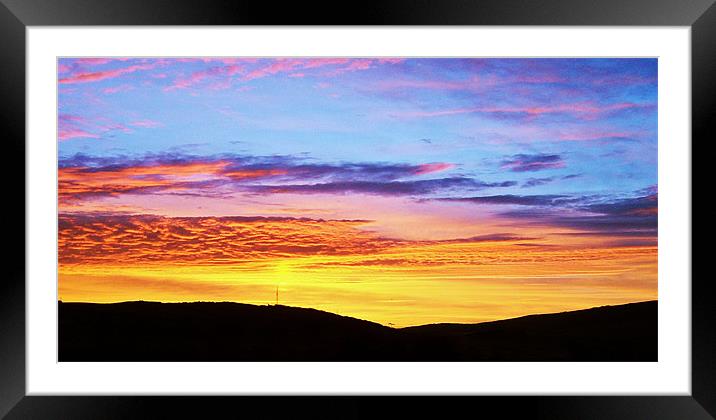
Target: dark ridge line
446, 324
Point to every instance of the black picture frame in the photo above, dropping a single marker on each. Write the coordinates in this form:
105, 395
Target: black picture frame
16, 15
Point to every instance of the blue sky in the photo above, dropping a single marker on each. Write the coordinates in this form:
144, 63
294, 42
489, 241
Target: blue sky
471, 112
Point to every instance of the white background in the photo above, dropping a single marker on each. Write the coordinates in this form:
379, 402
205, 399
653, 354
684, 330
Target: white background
670, 375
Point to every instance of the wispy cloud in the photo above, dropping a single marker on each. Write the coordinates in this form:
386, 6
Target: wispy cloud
536, 182
581, 110
146, 123
224, 71
335, 66
391, 188
117, 89
531, 163
67, 133
88, 77
75, 126
522, 200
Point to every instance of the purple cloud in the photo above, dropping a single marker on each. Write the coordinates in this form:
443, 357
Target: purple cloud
635, 216
531, 163
391, 188
520, 200
83, 176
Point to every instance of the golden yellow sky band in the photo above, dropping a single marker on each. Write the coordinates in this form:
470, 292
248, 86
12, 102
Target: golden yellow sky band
338, 267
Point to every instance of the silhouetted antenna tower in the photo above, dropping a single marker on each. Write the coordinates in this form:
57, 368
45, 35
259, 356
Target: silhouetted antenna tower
276, 295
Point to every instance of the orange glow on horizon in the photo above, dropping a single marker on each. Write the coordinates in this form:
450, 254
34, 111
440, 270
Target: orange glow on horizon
337, 266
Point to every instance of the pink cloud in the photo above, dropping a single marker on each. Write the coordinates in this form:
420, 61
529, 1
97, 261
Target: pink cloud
86, 77
587, 109
68, 127
360, 65
320, 62
294, 65
97, 61
146, 124
114, 127
73, 126
428, 168
278, 66
354, 65
214, 60
584, 110
117, 89
589, 134
391, 60
214, 72
92, 61
71, 133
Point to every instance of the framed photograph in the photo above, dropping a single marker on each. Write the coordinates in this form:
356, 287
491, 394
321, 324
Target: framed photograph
474, 200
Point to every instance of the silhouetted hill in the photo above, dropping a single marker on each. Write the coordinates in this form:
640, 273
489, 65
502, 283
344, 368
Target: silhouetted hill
224, 331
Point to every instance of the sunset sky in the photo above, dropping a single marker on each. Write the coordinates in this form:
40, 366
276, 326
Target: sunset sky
401, 191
